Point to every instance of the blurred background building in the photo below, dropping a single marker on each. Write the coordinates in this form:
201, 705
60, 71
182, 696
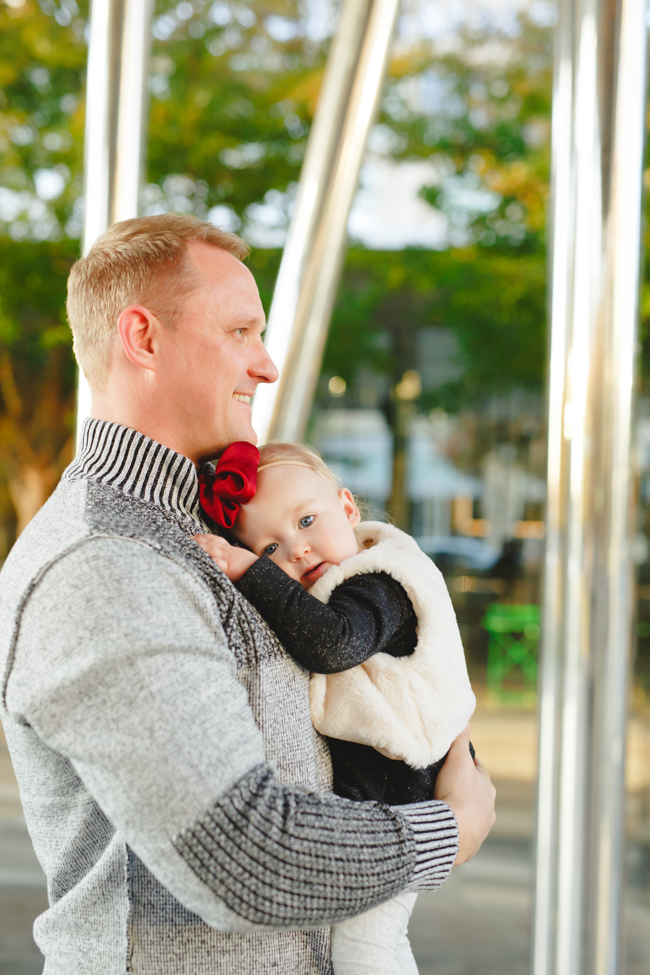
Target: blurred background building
430, 404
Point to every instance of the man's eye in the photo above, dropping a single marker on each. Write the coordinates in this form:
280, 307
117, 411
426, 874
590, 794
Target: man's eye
270, 549
306, 521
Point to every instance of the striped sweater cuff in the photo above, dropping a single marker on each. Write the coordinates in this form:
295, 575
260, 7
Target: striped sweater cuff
435, 832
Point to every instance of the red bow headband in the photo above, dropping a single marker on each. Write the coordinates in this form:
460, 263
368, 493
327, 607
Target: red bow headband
231, 484
234, 481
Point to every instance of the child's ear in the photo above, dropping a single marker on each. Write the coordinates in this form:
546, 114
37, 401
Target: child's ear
349, 506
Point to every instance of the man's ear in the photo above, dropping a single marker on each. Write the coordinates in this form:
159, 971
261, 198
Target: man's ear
349, 506
138, 327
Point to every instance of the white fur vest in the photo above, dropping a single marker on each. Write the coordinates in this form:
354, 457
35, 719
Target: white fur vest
408, 708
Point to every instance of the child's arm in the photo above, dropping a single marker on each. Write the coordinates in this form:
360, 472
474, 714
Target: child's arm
364, 616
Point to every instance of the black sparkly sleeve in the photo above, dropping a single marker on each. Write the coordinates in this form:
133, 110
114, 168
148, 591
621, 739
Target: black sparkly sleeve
365, 615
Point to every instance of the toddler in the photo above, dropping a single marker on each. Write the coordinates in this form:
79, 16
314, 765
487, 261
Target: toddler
360, 606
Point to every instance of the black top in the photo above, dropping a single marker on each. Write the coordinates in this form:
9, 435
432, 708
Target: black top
366, 614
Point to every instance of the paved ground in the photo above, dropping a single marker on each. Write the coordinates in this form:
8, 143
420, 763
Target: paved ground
478, 924
22, 898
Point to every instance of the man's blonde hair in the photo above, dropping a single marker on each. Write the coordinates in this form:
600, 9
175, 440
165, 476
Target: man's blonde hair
276, 452
136, 262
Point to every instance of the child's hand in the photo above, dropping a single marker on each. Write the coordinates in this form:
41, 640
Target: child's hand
230, 559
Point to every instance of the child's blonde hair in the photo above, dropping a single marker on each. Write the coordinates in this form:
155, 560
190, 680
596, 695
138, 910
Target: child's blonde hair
276, 452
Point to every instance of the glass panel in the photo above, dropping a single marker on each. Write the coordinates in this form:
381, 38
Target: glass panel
430, 407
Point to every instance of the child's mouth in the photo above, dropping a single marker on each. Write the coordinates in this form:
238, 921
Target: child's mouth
309, 577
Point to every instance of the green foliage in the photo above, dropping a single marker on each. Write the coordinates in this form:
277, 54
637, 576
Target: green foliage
233, 91
37, 373
481, 111
42, 70
494, 305
231, 106
32, 295
264, 265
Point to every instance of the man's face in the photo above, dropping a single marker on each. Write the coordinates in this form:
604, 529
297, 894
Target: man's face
210, 364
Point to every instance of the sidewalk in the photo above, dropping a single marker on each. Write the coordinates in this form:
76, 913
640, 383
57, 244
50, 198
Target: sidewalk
22, 883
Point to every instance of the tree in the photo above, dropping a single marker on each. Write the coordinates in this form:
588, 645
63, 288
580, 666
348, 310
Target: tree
42, 64
37, 375
42, 70
233, 90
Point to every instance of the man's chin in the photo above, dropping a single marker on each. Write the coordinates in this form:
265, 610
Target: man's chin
218, 445
248, 435
241, 432
241, 427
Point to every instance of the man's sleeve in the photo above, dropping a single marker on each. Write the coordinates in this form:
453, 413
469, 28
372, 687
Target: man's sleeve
121, 666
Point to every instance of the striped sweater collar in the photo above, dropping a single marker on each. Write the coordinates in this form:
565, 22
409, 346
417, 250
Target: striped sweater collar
137, 465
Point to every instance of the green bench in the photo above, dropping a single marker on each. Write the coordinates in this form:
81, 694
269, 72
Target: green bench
513, 637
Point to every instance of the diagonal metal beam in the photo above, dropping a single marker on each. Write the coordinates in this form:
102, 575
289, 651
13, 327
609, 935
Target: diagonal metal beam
311, 263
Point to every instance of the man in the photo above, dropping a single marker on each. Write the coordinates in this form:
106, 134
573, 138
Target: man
172, 783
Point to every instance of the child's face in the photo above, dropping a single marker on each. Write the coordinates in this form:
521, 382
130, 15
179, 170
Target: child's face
300, 521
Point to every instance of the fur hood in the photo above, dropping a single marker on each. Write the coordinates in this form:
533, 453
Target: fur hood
408, 708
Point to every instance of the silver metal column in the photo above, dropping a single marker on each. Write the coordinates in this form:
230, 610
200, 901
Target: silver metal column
116, 100
311, 263
598, 136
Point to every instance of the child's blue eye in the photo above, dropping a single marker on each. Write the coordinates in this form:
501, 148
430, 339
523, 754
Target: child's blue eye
306, 521
270, 549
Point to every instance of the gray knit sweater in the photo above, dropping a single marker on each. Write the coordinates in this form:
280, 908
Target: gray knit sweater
173, 786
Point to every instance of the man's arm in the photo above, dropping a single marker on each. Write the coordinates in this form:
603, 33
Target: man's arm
464, 784
121, 666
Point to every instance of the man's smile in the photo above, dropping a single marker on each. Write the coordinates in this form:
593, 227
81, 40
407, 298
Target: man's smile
242, 397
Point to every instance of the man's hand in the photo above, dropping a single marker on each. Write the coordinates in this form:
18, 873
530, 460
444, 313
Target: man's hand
230, 559
466, 788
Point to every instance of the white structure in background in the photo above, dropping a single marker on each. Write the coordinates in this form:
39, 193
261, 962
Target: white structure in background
434, 484
431, 475
358, 446
507, 488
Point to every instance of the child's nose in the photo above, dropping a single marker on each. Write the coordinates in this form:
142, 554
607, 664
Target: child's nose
299, 548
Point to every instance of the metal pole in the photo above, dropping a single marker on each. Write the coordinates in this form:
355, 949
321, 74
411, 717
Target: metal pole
316, 169
598, 135
131, 125
310, 269
116, 99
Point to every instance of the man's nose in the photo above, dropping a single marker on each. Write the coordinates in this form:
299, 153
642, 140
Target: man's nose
264, 369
